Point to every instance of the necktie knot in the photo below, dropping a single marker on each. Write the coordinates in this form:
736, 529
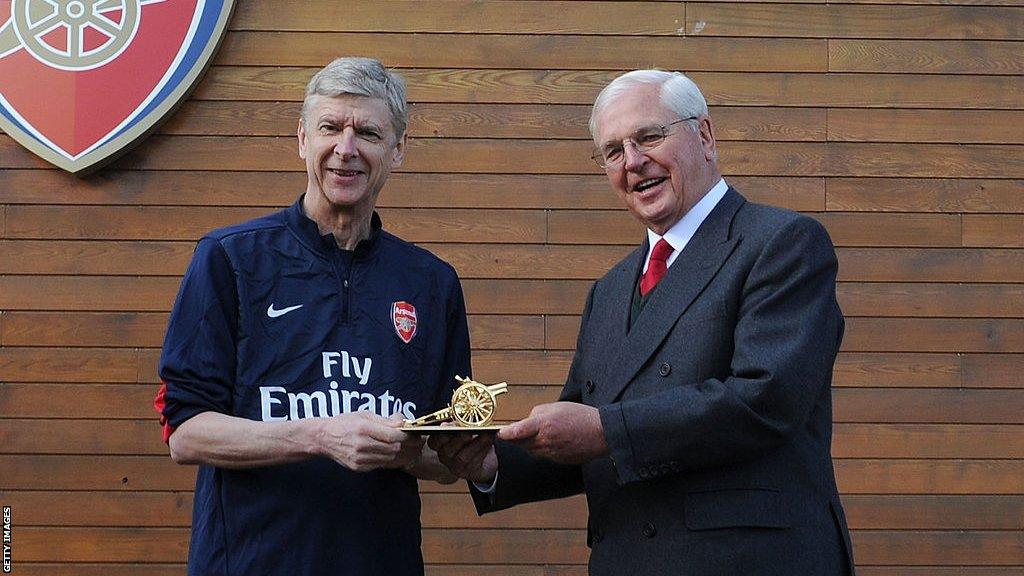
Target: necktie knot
662, 250
656, 266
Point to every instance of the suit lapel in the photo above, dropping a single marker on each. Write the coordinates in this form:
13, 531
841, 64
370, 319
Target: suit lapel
691, 272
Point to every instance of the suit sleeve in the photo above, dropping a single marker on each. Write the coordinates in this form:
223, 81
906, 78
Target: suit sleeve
197, 365
786, 336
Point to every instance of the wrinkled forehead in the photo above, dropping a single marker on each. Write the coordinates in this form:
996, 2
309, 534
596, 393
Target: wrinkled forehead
636, 108
353, 107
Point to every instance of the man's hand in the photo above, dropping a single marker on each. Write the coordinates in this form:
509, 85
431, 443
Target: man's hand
565, 432
468, 456
362, 441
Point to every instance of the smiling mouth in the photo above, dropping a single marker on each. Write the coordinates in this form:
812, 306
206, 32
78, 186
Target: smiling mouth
648, 184
344, 173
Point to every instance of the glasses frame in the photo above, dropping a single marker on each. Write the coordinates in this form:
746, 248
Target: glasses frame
598, 157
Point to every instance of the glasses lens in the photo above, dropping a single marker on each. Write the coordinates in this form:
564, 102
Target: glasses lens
609, 156
647, 138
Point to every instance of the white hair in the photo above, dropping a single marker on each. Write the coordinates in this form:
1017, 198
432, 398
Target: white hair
678, 93
360, 77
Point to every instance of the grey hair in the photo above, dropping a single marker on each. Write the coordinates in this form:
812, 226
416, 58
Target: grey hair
360, 77
678, 93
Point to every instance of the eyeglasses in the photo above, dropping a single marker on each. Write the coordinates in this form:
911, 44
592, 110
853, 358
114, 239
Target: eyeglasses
643, 140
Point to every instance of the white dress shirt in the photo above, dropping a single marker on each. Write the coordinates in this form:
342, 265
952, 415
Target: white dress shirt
679, 235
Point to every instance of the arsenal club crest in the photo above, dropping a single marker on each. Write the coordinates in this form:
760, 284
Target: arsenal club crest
403, 318
83, 80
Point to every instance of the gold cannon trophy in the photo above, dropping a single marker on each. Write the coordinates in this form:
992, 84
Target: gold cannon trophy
471, 409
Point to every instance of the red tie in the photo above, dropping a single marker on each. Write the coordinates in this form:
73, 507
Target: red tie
656, 267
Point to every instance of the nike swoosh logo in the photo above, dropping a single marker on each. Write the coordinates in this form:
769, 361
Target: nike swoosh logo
275, 313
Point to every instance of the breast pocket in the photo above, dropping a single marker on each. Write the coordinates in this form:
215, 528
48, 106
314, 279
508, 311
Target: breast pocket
740, 508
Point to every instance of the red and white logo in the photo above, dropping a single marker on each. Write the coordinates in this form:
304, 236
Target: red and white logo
403, 318
81, 81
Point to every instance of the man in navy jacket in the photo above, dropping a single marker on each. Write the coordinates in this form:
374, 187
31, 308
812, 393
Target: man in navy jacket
297, 345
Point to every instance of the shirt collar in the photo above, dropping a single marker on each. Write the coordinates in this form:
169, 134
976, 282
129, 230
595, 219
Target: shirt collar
309, 233
681, 232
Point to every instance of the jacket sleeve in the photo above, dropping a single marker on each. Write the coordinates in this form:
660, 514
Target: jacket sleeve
785, 339
197, 365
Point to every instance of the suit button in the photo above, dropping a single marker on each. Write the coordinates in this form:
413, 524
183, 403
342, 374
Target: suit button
596, 536
649, 530
590, 386
665, 369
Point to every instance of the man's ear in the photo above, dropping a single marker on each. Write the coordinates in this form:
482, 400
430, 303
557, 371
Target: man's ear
399, 155
707, 139
301, 133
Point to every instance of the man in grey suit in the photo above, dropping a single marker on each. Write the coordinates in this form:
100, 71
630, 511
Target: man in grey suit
697, 414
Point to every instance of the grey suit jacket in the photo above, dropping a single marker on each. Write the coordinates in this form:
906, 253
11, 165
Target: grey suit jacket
716, 407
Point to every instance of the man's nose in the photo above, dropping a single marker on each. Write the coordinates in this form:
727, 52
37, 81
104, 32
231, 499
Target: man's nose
633, 158
345, 144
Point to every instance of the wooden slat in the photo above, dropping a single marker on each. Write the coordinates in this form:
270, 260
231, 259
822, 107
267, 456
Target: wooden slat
992, 230
917, 405
581, 86
943, 2
923, 195
536, 262
931, 265
925, 56
877, 334
522, 366
883, 547
492, 17
934, 512
920, 299
870, 160
855, 476
933, 547
135, 294
962, 126
120, 473
853, 369
938, 571
934, 335
69, 364
866, 369
187, 223
174, 509
121, 329
846, 229
78, 400
483, 297
525, 51
142, 437
573, 157
105, 569
851, 21
992, 370
507, 332
132, 188
878, 476
403, 190
91, 258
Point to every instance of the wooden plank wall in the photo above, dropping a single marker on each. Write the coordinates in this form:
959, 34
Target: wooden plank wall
899, 126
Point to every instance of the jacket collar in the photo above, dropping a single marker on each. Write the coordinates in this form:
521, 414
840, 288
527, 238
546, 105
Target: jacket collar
309, 234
